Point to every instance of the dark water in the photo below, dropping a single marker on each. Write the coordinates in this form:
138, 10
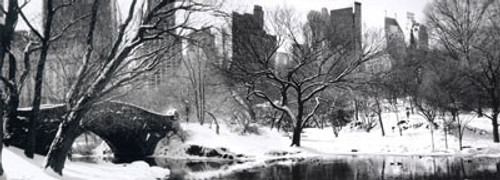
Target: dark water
344, 168
385, 167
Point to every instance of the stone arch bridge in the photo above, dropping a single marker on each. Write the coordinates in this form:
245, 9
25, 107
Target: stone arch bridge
129, 131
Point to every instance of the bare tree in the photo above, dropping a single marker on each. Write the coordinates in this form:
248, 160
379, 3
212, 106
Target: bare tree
485, 71
16, 51
462, 126
315, 64
97, 77
6, 35
466, 31
336, 108
201, 55
375, 89
40, 43
45, 39
25, 46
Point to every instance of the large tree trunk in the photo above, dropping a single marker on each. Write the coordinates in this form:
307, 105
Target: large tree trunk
2, 106
6, 35
396, 111
335, 131
13, 95
456, 118
37, 97
296, 136
297, 130
61, 146
30, 146
379, 113
494, 122
381, 123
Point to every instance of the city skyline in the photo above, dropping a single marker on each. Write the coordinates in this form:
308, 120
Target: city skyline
376, 10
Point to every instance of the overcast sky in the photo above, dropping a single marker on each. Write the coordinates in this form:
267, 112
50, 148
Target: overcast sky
373, 11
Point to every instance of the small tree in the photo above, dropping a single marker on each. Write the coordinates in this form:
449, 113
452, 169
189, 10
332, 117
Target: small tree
201, 54
339, 118
462, 126
375, 91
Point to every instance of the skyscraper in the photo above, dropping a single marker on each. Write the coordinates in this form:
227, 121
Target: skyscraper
250, 41
66, 53
173, 57
341, 28
395, 39
74, 37
417, 31
347, 22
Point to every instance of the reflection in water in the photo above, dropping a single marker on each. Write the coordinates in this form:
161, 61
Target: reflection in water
354, 168
343, 167
193, 166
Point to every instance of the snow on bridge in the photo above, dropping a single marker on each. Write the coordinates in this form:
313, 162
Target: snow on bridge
130, 131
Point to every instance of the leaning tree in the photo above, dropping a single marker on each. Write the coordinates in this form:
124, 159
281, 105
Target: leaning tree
19, 49
123, 64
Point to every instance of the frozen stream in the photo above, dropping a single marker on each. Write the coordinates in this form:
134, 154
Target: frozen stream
337, 167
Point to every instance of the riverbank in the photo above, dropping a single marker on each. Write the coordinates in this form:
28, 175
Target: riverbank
315, 141
270, 147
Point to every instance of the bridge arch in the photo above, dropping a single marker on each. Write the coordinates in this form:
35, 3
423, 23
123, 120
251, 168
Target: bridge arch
130, 131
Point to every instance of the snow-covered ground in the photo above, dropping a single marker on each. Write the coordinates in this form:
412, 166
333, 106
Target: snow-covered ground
263, 148
18, 167
251, 144
414, 141
315, 141
271, 145
480, 123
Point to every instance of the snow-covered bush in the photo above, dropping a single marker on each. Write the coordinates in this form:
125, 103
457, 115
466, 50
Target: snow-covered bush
339, 118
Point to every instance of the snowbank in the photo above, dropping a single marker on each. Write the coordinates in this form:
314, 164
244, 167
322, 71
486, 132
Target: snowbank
18, 167
413, 142
416, 140
251, 145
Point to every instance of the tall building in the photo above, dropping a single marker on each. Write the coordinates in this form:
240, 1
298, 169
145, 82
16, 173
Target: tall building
202, 45
340, 26
348, 25
395, 39
395, 48
250, 42
339, 29
417, 31
74, 37
200, 54
65, 54
397, 42
172, 45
